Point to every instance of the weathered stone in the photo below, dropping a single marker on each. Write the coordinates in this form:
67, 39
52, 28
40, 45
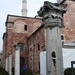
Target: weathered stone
52, 13
52, 17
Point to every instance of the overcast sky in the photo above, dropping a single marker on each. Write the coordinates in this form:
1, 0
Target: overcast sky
14, 7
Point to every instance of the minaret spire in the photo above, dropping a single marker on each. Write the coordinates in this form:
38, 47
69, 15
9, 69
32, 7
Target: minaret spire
59, 1
24, 8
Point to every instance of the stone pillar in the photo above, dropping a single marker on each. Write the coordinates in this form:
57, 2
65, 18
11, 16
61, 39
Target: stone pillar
17, 60
10, 64
52, 18
6, 67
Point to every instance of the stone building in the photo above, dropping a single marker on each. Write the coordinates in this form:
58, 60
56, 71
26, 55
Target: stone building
30, 32
18, 28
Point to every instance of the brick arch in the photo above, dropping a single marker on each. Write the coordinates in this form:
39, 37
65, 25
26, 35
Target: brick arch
19, 26
20, 19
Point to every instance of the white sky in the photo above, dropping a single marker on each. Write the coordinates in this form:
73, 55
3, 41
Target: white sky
14, 7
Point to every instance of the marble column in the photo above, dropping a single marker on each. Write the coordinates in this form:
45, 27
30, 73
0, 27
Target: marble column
52, 18
6, 67
17, 59
10, 64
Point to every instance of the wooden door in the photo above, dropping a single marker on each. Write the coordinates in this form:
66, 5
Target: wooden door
22, 62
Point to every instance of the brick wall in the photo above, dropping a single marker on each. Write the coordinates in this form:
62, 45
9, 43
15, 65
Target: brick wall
38, 38
15, 33
69, 22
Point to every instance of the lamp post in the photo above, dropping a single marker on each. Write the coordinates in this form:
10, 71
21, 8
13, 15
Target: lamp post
52, 14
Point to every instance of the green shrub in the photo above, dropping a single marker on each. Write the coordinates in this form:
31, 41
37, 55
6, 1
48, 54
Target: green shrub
3, 71
68, 71
26, 72
23, 72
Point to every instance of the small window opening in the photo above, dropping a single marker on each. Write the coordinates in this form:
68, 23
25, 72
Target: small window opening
25, 27
62, 37
38, 47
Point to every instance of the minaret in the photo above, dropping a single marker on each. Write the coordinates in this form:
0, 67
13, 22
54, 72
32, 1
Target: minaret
59, 1
24, 8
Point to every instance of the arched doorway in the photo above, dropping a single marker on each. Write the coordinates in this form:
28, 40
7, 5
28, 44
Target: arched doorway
22, 62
